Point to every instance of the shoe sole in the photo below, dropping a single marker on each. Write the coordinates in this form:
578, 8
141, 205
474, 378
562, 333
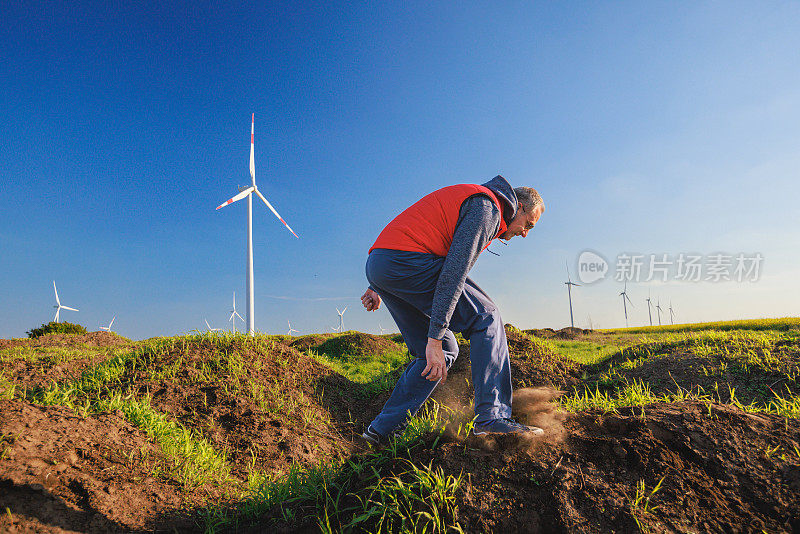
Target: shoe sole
537, 432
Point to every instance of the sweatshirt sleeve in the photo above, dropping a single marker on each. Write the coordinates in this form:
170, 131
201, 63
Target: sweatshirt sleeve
478, 222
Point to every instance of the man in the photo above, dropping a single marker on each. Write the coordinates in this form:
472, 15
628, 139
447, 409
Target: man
418, 266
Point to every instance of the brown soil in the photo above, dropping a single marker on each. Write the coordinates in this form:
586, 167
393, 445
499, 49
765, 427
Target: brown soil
63, 473
534, 365
717, 477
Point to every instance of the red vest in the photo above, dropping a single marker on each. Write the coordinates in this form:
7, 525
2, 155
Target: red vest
428, 225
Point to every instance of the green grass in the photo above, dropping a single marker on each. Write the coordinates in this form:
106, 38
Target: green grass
585, 352
376, 372
638, 394
195, 461
378, 491
54, 355
783, 324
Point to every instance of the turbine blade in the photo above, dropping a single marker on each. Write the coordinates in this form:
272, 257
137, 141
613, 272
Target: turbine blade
344, 310
112, 322
56, 290
231, 317
55, 319
208, 325
68, 308
239, 316
252, 158
238, 197
275, 212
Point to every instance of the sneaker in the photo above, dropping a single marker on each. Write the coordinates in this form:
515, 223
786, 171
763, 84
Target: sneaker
504, 425
375, 439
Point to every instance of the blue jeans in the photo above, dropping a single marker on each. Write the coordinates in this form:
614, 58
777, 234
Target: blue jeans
406, 281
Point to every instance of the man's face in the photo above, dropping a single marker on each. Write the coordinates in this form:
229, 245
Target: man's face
522, 223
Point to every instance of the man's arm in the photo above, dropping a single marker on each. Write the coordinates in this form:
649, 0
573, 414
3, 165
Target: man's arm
478, 223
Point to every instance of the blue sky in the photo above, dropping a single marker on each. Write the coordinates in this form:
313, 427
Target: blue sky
648, 127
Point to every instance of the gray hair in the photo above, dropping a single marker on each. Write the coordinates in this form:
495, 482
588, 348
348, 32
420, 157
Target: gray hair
528, 199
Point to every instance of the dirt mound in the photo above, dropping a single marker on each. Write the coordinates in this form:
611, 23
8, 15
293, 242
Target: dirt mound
90, 339
61, 471
258, 403
569, 332
303, 343
717, 374
723, 470
533, 364
356, 344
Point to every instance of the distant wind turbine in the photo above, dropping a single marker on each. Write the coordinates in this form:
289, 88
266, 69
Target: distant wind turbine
341, 318
108, 328
234, 313
212, 329
289, 333
649, 312
248, 192
625, 297
58, 305
382, 328
658, 307
569, 283
670, 312
334, 328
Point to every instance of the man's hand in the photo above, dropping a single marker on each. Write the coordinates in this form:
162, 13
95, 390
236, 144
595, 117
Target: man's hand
436, 368
371, 300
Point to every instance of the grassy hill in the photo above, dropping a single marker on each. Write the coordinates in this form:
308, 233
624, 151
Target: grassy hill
679, 428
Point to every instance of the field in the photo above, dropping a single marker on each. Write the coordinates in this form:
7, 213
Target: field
691, 428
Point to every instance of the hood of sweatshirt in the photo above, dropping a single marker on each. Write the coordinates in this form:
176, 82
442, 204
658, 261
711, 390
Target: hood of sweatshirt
505, 193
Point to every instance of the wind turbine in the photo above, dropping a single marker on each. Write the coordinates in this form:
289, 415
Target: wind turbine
341, 319
248, 192
382, 328
289, 333
212, 329
658, 307
670, 312
649, 312
108, 328
569, 284
58, 305
625, 296
334, 329
235, 314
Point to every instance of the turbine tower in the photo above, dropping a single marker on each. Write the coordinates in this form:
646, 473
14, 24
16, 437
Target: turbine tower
108, 328
235, 314
341, 319
289, 333
248, 192
625, 297
649, 312
670, 312
658, 307
569, 283
58, 305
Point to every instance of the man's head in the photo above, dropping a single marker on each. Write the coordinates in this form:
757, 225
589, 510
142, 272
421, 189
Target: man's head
529, 208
